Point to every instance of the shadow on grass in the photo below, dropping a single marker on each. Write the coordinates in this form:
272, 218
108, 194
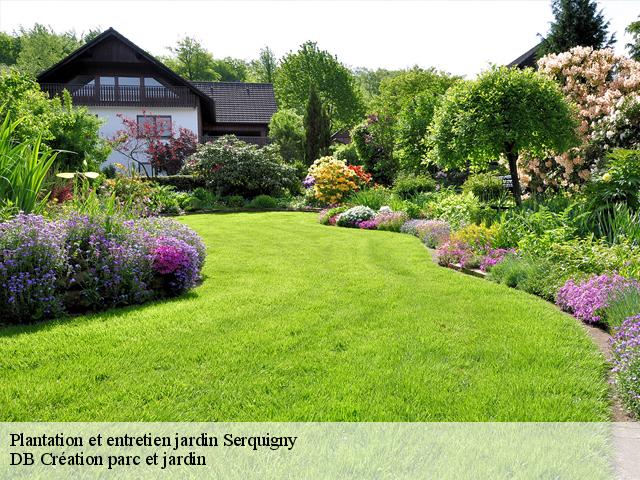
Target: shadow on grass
11, 330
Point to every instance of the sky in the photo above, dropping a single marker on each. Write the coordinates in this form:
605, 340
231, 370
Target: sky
462, 37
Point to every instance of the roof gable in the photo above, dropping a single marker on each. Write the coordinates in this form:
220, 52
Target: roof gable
113, 47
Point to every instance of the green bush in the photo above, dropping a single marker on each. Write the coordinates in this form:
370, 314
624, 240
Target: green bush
182, 183
407, 186
263, 202
326, 215
457, 210
232, 167
203, 199
486, 186
512, 271
373, 198
622, 307
347, 153
233, 201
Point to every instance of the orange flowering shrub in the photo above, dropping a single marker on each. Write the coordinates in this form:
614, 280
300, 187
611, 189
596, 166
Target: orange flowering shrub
333, 180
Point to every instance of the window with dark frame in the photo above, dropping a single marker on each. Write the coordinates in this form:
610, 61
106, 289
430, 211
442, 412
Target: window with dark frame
161, 122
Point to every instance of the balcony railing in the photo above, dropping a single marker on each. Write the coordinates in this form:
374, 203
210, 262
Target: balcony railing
138, 96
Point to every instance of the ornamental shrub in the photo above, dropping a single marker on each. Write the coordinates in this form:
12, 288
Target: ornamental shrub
325, 217
626, 362
83, 263
433, 233
333, 180
624, 305
232, 167
177, 263
407, 186
351, 217
32, 262
486, 186
263, 202
479, 238
494, 256
390, 221
588, 300
457, 210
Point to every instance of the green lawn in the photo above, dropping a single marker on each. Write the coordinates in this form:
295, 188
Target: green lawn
301, 322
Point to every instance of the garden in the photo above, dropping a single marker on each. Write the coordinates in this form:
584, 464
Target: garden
111, 309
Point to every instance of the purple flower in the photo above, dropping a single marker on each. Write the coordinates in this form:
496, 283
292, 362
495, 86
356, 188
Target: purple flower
626, 361
367, 224
309, 181
177, 259
586, 300
495, 256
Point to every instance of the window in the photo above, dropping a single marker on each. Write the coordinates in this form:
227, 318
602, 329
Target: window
160, 122
151, 82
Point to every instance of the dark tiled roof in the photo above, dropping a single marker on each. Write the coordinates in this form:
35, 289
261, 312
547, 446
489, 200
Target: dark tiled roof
237, 102
527, 59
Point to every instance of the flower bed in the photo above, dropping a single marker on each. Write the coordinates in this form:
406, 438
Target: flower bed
81, 263
626, 355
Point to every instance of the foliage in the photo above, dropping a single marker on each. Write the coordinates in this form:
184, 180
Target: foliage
192, 61
263, 202
263, 69
73, 130
633, 29
83, 263
502, 113
233, 201
623, 305
374, 198
457, 210
355, 215
317, 128
182, 183
232, 167
576, 23
231, 69
374, 146
516, 272
494, 256
408, 185
286, 129
369, 81
346, 152
478, 238
486, 186
35, 49
168, 156
626, 359
23, 169
310, 66
333, 180
589, 299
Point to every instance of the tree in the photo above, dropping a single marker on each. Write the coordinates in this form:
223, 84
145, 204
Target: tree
334, 83
410, 130
576, 23
287, 130
9, 49
369, 81
317, 128
373, 141
501, 114
263, 69
192, 61
41, 47
231, 69
634, 47
149, 142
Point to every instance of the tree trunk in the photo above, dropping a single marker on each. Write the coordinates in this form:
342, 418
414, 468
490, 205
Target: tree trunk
512, 157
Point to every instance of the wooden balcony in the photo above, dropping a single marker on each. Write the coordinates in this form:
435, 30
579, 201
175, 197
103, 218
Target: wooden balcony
124, 95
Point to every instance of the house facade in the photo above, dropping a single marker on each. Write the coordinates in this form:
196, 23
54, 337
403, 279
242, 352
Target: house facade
115, 78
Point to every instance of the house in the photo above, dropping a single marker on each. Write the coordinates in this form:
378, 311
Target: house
112, 76
527, 59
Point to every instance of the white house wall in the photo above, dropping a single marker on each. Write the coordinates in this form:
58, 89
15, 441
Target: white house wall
180, 118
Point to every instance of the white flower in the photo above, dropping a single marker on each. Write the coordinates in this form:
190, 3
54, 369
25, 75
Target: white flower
385, 209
